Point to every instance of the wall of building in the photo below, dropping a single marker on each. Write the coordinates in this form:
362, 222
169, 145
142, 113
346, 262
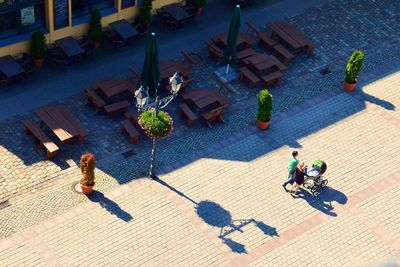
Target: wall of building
77, 30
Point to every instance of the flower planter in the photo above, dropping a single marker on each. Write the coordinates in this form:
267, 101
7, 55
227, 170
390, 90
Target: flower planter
349, 87
97, 44
87, 190
263, 125
148, 131
39, 62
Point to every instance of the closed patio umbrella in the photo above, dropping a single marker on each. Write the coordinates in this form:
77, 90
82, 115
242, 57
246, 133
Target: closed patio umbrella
151, 67
230, 52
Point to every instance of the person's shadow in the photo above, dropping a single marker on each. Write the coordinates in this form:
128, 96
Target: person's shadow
323, 201
109, 205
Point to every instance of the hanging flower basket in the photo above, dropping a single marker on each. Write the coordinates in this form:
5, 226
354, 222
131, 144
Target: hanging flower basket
156, 127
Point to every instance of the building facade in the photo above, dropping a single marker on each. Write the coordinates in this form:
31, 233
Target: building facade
58, 18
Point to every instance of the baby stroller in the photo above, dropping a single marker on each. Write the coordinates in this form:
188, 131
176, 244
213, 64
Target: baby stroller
313, 178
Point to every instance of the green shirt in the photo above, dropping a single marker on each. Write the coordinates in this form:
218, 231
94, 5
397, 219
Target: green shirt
292, 164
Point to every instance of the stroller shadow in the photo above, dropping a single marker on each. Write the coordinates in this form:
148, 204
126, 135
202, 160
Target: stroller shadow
323, 202
109, 205
216, 216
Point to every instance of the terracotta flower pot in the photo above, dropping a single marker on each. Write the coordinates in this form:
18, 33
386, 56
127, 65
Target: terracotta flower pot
263, 125
349, 87
87, 189
97, 44
39, 62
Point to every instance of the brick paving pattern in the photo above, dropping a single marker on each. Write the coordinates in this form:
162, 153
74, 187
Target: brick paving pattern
218, 201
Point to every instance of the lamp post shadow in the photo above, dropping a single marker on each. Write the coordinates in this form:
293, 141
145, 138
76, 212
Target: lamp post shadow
215, 215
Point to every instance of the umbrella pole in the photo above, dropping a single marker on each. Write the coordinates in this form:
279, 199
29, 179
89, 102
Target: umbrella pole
227, 69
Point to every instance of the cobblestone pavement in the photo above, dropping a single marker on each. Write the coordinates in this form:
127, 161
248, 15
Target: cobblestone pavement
213, 200
25, 169
224, 206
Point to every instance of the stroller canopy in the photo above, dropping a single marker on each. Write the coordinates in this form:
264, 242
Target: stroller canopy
321, 165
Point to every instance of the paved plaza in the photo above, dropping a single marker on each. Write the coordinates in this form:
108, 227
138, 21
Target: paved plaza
218, 199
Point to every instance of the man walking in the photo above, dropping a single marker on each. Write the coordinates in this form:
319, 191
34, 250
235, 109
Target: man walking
293, 161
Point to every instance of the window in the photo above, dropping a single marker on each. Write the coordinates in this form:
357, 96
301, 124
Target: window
84, 7
20, 16
127, 3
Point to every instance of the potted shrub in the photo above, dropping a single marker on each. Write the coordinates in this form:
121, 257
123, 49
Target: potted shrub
95, 28
145, 12
199, 5
38, 47
353, 69
156, 126
87, 165
264, 109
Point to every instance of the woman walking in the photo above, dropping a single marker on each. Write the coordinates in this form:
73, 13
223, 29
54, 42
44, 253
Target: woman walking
298, 176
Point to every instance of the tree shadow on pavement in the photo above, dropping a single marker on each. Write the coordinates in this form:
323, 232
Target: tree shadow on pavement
109, 205
377, 101
323, 201
216, 216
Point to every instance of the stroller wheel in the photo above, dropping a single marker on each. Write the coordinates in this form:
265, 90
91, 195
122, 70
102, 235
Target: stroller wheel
314, 189
324, 183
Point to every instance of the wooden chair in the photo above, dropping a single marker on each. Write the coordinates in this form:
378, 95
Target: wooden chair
263, 37
26, 61
214, 115
89, 47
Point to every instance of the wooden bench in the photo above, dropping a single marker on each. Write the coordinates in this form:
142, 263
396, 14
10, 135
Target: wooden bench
213, 115
188, 113
130, 129
94, 99
272, 78
284, 53
133, 116
31, 128
214, 51
263, 37
116, 108
245, 73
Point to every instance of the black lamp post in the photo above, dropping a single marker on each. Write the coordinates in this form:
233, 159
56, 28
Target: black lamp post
142, 97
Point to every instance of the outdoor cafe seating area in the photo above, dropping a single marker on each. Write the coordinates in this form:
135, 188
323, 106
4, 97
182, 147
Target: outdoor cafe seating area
267, 67
115, 96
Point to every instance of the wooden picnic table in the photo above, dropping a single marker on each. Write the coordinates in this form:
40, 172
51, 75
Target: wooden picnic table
59, 120
177, 12
291, 35
10, 67
168, 68
114, 86
263, 62
124, 28
203, 99
70, 46
243, 41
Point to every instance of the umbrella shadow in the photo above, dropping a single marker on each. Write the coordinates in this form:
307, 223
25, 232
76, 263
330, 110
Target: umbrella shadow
323, 201
109, 205
215, 215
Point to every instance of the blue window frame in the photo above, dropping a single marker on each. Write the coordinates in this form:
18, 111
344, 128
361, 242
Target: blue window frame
82, 8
